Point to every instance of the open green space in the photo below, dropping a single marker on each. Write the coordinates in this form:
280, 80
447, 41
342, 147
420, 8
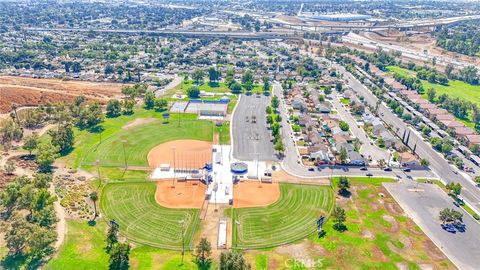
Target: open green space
378, 235
217, 87
143, 220
137, 140
289, 219
135, 143
84, 249
223, 132
454, 89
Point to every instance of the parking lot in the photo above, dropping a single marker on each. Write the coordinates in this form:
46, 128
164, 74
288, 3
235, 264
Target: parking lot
422, 202
250, 136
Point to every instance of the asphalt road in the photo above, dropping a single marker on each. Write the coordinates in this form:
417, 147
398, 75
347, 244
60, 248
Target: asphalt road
291, 162
422, 202
438, 164
252, 141
368, 149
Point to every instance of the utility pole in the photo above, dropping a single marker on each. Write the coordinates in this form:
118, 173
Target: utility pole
124, 154
182, 222
174, 168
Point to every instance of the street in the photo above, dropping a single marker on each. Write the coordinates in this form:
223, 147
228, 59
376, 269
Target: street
423, 202
438, 164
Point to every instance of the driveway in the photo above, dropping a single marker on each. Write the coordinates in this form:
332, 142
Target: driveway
422, 202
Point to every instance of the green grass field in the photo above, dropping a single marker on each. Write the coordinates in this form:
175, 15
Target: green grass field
142, 219
291, 218
139, 140
454, 89
84, 249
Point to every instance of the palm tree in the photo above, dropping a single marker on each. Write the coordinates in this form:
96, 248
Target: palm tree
94, 197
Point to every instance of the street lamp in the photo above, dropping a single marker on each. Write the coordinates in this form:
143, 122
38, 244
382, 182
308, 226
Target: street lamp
97, 163
124, 154
236, 233
182, 222
174, 167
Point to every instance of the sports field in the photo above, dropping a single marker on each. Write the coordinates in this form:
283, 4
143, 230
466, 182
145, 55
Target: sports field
142, 219
291, 218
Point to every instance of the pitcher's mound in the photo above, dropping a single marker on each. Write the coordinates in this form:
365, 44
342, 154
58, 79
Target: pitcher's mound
255, 194
188, 194
188, 154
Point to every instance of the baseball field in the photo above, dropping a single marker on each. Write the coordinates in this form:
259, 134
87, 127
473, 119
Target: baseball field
291, 218
143, 220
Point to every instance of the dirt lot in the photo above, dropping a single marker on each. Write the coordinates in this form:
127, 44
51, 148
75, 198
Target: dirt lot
192, 154
187, 194
255, 194
32, 92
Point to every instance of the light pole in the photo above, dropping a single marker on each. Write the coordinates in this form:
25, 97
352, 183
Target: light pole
124, 154
182, 222
236, 233
174, 168
97, 163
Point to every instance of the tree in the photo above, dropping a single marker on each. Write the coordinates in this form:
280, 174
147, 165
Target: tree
448, 215
149, 100
113, 108
9, 167
266, 84
247, 80
31, 143
236, 88
279, 146
449, 71
338, 87
454, 188
327, 91
198, 76
275, 102
339, 217
343, 154
213, 74
431, 92
127, 106
119, 257
112, 236
62, 138
344, 126
161, 104
233, 260
203, 252
90, 116
193, 92
46, 155
343, 185
424, 162
94, 197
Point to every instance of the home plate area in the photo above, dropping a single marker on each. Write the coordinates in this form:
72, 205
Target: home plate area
190, 173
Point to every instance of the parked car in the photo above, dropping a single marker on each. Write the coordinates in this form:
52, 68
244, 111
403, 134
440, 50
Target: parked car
387, 169
407, 170
449, 228
363, 169
369, 174
311, 169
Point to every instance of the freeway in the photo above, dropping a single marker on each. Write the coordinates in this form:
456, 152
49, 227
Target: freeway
291, 162
173, 32
470, 192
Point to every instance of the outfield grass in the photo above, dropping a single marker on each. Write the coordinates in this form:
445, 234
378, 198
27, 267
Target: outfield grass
141, 139
291, 218
84, 249
371, 241
224, 132
142, 219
